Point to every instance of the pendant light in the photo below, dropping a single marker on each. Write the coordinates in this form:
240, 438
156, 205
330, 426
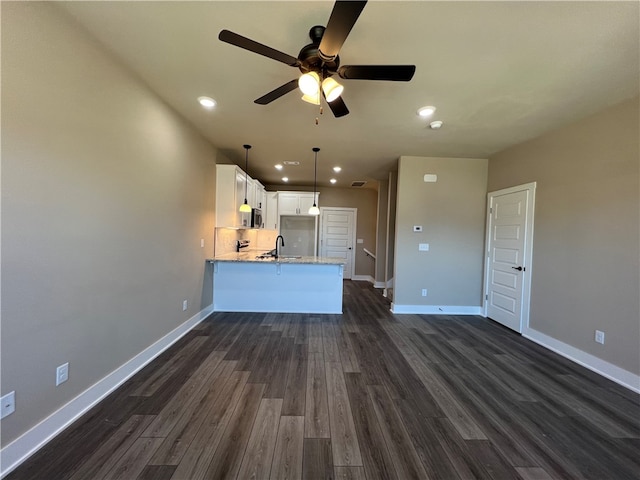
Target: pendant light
314, 210
245, 207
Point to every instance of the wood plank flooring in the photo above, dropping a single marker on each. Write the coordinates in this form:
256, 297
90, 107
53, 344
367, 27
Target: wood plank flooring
362, 395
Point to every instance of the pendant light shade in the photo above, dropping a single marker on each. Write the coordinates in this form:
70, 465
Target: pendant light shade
309, 83
245, 207
314, 99
331, 89
314, 210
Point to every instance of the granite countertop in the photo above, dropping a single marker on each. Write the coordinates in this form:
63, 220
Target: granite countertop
256, 257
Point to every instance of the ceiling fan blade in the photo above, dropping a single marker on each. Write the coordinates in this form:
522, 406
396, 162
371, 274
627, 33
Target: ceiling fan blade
338, 107
277, 93
255, 47
342, 19
394, 73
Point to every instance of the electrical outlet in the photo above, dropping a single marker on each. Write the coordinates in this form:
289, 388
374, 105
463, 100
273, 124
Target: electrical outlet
184, 305
599, 337
62, 373
423, 247
424, 292
8, 404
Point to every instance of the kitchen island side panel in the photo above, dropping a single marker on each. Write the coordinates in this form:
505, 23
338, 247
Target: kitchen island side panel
277, 287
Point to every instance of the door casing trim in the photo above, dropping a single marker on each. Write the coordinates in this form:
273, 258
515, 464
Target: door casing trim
527, 255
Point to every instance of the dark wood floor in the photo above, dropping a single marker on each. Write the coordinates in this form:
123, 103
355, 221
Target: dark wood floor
362, 395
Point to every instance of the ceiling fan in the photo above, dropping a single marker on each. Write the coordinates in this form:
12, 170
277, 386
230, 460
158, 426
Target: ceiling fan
319, 60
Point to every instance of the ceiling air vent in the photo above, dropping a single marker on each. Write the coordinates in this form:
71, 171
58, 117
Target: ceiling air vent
358, 183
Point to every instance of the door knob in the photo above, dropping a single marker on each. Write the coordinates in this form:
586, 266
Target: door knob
518, 268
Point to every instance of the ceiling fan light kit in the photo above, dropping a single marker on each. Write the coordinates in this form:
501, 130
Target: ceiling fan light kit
319, 61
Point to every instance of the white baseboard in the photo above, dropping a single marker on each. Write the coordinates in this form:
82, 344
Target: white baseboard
608, 370
364, 278
379, 285
12, 455
437, 309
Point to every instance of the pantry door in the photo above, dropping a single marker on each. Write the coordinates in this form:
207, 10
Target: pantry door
337, 235
509, 246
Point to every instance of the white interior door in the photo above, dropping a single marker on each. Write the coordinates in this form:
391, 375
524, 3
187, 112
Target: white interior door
337, 232
509, 242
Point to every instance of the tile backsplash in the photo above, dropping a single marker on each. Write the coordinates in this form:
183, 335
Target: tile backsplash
261, 240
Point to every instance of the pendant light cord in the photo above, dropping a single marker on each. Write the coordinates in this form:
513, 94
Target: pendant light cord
315, 173
246, 170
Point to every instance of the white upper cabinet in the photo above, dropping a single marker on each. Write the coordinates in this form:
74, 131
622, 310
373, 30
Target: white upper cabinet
230, 194
294, 203
230, 188
271, 215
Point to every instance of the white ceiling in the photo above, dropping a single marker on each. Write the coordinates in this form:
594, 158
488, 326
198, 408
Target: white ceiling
499, 73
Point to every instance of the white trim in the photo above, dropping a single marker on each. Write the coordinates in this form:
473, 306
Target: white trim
527, 256
437, 309
12, 455
364, 278
387, 284
608, 370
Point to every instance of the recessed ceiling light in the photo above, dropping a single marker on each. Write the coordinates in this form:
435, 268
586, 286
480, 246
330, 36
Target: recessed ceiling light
426, 111
337, 169
435, 125
285, 179
333, 180
278, 166
207, 102
291, 163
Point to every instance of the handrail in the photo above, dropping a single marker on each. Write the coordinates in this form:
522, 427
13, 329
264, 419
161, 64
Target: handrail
372, 255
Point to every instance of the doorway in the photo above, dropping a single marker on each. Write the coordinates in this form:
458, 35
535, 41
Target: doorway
337, 235
509, 241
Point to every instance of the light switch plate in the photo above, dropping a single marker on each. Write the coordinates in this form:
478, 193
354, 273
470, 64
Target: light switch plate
417, 228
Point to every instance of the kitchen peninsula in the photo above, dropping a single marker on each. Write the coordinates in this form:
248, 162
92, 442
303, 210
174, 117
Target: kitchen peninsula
247, 282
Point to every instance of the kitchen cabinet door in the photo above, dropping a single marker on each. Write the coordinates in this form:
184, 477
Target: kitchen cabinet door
288, 203
294, 203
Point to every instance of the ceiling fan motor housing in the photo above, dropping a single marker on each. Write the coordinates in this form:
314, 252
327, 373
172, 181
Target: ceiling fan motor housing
311, 59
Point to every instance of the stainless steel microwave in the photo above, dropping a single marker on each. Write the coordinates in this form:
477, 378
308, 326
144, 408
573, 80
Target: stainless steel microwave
256, 218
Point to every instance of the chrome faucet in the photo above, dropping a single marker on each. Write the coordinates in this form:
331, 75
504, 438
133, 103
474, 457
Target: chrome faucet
279, 237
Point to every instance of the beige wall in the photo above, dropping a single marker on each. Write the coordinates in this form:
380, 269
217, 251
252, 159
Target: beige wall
106, 193
585, 248
365, 200
452, 214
